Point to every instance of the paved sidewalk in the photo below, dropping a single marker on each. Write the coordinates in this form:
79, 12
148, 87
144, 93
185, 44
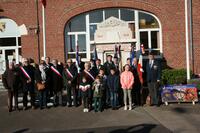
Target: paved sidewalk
69, 120
173, 118
179, 118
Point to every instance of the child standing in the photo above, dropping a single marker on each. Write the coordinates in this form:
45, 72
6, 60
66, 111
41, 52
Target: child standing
127, 80
98, 93
113, 87
85, 88
103, 79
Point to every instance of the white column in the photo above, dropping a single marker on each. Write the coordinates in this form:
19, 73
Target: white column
137, 33
186, 40
44, 30
17, 51
88, 37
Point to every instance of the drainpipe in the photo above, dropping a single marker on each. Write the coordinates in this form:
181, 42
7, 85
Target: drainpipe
191, 36
38, 30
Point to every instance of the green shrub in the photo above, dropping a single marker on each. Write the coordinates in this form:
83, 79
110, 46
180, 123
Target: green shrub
195, 81
174, 76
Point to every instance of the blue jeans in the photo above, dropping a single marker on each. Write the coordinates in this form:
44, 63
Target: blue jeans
113, 99
43, 98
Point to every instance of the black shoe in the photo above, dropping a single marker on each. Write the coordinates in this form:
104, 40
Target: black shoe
9, 110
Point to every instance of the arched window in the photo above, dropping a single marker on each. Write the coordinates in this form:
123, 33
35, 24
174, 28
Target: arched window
80, 30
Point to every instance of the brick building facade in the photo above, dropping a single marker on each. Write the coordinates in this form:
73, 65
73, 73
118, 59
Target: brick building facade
171, 14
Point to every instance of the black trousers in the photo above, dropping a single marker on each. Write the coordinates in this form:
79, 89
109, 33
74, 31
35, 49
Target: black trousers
71, 90
154, 92
25, 99
85, 98
136, 94
11, 94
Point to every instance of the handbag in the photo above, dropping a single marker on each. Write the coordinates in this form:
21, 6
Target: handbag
40, 86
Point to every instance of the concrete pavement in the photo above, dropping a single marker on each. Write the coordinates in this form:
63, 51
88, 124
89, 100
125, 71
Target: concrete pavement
173, 118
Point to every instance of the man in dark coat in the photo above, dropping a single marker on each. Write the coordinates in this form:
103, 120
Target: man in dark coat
27, 77
137, 83
11, 82
98, 64
108, 65
57, 82
48, 74
90, 77
153, 78
70, 80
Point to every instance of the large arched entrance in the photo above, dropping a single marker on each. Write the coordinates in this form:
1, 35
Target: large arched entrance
81, 30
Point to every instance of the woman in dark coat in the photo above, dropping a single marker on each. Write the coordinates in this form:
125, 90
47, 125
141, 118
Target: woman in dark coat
11, 82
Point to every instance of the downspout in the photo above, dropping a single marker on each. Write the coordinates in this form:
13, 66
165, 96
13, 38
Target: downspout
38, 30
191, 37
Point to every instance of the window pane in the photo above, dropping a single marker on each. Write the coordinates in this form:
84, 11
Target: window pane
154, 39
82, 42
127, 15
144, 39
77, 23
96, 16
8, 42
92, 31
147, 21
111, 12
70, 39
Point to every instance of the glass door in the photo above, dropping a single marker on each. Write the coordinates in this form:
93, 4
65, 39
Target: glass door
6, 56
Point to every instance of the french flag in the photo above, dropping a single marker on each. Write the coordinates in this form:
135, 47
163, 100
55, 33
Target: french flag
140, 69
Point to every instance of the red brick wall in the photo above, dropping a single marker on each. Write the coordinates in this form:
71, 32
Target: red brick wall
58, 12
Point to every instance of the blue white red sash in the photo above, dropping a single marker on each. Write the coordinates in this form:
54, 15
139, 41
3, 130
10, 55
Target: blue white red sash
89, 74
25, 73
69, 73
56, 71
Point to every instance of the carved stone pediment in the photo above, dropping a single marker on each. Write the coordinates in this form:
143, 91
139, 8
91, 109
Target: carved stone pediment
113, 30
112, 22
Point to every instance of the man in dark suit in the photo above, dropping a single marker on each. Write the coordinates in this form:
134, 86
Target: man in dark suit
137, 83
98, 64
153, 78
70, 80
108, 65
57, 82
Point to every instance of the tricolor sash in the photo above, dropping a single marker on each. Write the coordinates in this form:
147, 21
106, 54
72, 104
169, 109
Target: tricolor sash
56, 71
69, 73
25, 73
91, 76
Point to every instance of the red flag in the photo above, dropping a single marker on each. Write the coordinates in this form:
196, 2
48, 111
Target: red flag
43, 2
140, 69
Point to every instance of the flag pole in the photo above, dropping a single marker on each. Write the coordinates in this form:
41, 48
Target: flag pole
186, 40
44, 30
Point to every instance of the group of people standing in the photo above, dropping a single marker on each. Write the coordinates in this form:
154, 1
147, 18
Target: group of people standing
95, 86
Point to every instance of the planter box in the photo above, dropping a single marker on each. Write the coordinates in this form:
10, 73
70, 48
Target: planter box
179, 93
